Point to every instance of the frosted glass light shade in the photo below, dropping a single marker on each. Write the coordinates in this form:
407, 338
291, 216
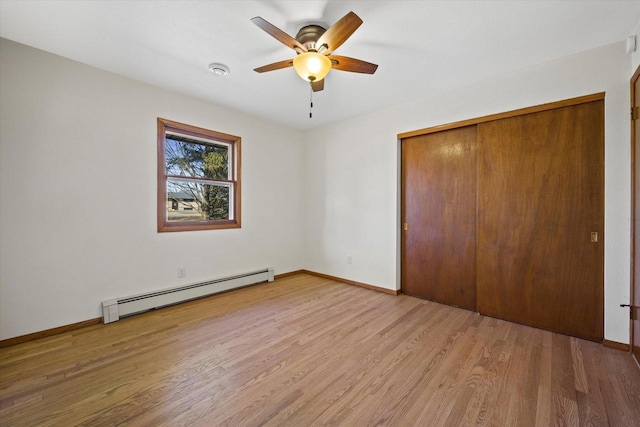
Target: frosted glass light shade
311, 66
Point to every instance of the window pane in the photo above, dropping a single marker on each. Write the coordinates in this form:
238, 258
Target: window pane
197, 201
187, 158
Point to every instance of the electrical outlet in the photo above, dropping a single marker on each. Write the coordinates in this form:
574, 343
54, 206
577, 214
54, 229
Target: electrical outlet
182, 272
349, 259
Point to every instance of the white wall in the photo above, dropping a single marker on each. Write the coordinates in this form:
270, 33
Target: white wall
78, 192
78, 179
351, 182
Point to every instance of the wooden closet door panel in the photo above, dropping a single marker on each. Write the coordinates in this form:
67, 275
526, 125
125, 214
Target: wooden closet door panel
439, 208
540, 196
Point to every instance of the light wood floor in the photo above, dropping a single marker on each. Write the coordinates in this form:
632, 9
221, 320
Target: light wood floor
308, 351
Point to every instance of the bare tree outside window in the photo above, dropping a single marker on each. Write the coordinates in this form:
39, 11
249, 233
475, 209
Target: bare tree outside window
210, 162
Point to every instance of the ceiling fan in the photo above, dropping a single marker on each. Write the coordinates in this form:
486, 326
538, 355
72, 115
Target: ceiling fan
314, 46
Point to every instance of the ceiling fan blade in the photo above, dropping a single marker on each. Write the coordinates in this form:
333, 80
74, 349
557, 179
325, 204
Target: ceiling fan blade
344, 63
275, 66
317, 86
338, 33
278, 34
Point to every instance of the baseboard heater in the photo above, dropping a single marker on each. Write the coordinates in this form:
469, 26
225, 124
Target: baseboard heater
114, 309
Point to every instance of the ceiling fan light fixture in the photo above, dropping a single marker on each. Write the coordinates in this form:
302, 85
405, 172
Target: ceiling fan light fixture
311, 66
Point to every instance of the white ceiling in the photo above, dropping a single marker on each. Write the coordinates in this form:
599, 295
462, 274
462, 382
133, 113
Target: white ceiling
422, 47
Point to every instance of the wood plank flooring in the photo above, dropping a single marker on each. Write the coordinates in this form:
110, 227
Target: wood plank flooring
306, 351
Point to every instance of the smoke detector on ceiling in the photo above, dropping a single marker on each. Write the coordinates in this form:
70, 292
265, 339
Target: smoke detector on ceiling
218, 69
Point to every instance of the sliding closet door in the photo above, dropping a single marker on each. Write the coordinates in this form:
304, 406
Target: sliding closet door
439, 216
541, 219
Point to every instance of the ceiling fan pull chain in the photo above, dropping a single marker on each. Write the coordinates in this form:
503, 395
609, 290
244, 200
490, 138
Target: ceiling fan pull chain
310, 102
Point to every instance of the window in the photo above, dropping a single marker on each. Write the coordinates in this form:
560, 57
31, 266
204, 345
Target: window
198, 178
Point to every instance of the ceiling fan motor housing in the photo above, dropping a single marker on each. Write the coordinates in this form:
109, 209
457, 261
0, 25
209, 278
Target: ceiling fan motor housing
309, 35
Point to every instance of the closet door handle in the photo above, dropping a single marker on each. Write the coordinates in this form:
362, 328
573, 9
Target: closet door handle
631, 307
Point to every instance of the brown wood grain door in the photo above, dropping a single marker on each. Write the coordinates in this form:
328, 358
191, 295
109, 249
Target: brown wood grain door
439, 210
540, 198
635, 236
